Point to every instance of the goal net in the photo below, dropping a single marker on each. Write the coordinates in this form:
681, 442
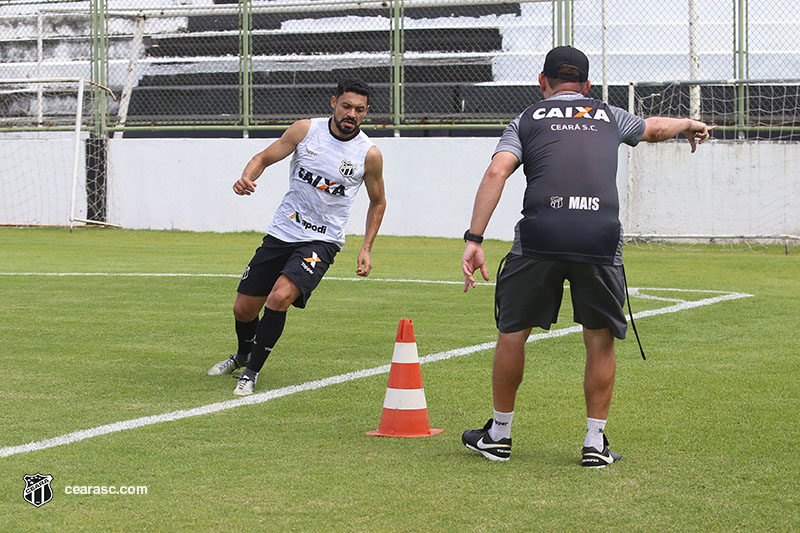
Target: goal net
740, 186
745, 110
54, 169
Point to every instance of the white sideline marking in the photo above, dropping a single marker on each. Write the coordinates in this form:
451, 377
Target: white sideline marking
189, 275
635, 293
122, 274
77, 436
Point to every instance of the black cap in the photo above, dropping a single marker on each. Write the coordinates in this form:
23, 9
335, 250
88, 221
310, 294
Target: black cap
566, 55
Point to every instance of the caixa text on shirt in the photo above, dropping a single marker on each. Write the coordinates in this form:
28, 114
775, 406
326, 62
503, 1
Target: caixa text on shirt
570, 112
323, 184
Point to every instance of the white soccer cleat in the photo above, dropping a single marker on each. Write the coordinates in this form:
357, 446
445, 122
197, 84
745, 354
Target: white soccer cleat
246, 385
224, 367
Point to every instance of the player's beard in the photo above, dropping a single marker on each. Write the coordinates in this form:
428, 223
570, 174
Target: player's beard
347, 126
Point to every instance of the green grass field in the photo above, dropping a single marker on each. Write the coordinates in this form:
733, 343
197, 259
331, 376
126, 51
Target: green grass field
707, 426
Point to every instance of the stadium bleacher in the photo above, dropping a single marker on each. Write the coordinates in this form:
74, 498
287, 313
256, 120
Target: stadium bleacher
447, 87
187, 72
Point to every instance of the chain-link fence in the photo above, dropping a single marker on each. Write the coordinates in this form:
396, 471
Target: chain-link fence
257, 64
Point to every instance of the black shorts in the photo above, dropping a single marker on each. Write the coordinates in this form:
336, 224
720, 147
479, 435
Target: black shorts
302, 262
529, 292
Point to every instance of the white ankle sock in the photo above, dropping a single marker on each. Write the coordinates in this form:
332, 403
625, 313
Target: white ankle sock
594, 433
501, 427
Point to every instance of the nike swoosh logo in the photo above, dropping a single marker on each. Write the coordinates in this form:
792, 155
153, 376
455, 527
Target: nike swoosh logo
607, 460
483, 446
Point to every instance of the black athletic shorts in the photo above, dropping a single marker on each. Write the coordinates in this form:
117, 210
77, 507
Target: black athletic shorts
528, 294
302, 262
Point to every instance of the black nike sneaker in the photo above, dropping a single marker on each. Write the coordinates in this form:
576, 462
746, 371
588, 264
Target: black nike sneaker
480, 441
595, 459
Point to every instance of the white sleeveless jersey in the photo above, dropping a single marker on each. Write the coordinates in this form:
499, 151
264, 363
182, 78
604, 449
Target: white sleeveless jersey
324, 177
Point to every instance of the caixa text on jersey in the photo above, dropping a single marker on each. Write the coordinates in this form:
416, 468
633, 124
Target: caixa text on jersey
323, 184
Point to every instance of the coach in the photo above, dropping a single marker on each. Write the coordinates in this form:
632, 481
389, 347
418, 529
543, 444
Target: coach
569, 230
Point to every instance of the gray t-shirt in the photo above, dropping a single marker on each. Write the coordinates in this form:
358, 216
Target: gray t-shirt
631, 127
568, 146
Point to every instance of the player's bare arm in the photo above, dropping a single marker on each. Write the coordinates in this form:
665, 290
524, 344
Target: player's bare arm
659, 129
373, 181
280, 149
489, 191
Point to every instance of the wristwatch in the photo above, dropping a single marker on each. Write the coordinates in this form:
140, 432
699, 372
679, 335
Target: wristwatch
472, 237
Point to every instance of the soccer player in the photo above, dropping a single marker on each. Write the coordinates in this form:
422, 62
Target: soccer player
570, 229
331, 158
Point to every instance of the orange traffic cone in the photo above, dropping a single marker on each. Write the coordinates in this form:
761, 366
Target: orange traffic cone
405, 412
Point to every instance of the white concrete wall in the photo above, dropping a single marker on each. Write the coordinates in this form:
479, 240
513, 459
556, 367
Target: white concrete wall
723, 188
186, 184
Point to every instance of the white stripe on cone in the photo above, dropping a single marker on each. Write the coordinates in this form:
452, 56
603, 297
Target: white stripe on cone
405, 352
405, 399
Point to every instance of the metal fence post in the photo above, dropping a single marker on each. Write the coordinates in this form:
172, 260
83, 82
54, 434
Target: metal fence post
99, 61
694, 63
604, 23
245, 65
39, 60
397, 47
563, 22
97, 143
740, 65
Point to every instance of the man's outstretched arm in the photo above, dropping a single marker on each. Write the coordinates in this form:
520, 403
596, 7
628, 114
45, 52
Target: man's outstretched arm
659, 129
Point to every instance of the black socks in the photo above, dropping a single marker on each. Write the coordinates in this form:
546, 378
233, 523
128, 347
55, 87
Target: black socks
246, 334
268, 331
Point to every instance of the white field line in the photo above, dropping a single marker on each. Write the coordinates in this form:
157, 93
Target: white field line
636, 293
77, 436
189, 275
122, 274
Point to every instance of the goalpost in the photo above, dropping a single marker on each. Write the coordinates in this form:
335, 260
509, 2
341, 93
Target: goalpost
54, 168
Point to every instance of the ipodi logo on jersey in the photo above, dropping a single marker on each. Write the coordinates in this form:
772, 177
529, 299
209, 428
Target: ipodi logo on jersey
308, 225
